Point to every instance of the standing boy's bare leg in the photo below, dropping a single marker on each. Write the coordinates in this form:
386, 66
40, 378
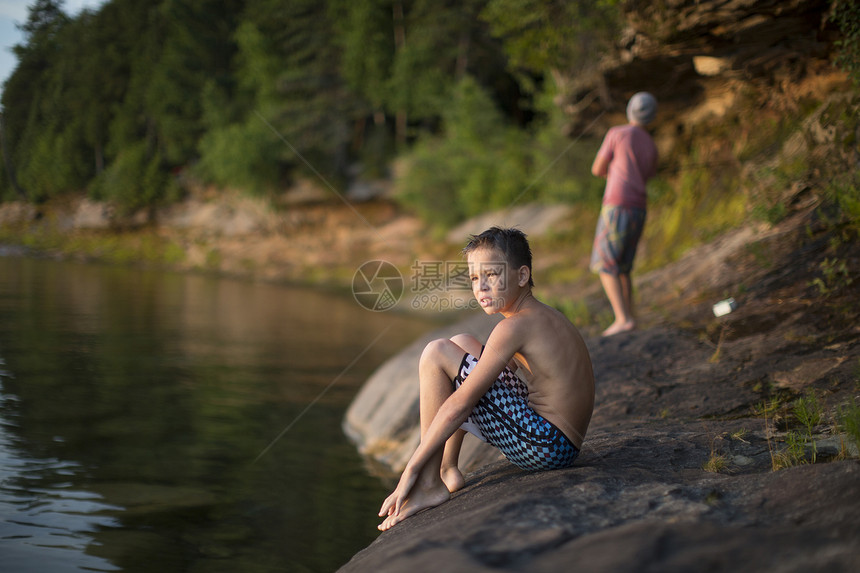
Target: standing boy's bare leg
436, 369
615, 293
627, 293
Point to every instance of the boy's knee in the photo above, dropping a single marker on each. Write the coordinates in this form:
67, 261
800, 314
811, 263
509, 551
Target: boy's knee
445, 352
468, 343
435, 350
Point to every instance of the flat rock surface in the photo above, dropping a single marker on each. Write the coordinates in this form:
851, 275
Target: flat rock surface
639, 504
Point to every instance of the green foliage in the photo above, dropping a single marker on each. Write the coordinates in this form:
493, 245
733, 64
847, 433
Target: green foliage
289, 63
716, 463
418, 94
196, 50
849, 420
42, 136
54, 164
562, 35
844, 191
808, 412
576, 311
771, 214
134, 180
841, 118
243, 156
249, 92
481, 163
794, 453
368, 50
478, 165
561, 165
834, 277
403, 58
846, 15
699, 193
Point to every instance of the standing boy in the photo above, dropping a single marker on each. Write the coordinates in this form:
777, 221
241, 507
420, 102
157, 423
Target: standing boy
538, 423
627, 158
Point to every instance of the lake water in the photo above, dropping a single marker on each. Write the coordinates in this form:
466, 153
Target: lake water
158, 422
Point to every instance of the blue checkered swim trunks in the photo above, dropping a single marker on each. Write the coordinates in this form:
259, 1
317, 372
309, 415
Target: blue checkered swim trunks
503, 418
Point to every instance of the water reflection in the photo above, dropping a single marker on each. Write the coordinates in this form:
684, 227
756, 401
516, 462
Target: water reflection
134, 406
43, 515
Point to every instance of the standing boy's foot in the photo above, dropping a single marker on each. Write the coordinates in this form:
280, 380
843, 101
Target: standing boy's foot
618, 327
452, 478
418, 500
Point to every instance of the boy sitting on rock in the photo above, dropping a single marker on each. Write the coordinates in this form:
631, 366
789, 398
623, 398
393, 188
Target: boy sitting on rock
538, 423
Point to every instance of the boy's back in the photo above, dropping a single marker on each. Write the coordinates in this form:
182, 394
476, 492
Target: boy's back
557, 367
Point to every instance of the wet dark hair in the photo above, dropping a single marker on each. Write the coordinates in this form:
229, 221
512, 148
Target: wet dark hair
512, 243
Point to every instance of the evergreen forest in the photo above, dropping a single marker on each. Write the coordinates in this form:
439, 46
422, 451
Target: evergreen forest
123, 100
131, 102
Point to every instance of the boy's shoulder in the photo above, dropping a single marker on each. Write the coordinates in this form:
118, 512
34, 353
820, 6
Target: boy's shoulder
537, 315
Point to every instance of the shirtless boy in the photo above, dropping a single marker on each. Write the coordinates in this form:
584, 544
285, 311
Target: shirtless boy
538, 423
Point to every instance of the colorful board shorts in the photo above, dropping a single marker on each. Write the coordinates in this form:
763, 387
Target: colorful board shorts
503, 418
618, 232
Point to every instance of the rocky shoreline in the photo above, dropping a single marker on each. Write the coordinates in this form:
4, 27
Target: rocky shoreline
637, 502
692, 417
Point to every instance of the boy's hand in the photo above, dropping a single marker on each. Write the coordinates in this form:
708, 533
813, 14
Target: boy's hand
394, 502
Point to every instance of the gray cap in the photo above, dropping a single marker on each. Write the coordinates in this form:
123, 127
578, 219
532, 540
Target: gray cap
642, 108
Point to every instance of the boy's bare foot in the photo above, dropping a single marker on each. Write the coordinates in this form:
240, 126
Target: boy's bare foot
618, 327
418, 500
453, 478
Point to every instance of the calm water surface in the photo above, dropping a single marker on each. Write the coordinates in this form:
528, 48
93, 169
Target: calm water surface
133, 405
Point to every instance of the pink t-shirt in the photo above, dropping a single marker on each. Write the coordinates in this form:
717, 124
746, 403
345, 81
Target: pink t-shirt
632, 158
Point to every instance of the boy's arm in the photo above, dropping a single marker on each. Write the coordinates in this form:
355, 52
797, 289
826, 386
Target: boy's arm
499, 349
498, 352
600, 166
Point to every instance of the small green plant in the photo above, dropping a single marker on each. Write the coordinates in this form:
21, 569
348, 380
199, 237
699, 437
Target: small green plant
739, 435
849, 421
834, 276
716, 463
808, 412
793, 454
769, 409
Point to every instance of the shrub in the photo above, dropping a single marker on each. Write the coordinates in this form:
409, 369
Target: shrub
478, 164
243, 155
135, 179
